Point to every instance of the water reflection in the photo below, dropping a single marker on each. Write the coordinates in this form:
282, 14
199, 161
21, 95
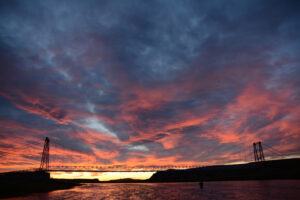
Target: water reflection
245, 190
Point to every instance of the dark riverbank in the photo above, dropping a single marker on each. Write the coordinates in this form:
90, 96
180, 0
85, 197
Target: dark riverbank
23, 183
266, 170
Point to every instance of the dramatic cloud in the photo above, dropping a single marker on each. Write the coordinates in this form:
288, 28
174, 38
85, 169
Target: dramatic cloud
148, 82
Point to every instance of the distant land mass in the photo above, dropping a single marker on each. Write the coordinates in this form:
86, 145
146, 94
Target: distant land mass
125, 180
265, 170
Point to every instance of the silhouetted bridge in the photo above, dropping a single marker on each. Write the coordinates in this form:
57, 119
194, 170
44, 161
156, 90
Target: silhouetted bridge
44, 165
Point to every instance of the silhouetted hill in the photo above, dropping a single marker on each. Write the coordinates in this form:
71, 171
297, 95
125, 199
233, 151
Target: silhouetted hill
275, 169
26, 182
125, 180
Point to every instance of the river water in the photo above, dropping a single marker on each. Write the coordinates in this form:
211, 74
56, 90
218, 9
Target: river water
244, 190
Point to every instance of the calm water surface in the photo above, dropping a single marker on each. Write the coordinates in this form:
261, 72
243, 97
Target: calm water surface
245, 190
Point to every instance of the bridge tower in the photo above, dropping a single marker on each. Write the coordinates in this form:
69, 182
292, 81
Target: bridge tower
45, 155
258, 152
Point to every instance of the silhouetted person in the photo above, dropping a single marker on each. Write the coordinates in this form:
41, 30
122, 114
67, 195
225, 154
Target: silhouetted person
201, 184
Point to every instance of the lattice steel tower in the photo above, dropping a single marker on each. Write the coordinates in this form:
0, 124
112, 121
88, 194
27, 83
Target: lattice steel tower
45, 156
258, 152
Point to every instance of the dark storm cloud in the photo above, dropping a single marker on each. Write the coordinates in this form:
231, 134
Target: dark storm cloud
119, 80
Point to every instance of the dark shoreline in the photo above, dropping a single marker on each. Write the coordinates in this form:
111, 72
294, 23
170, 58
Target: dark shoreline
24, 183
14, 190
266, 170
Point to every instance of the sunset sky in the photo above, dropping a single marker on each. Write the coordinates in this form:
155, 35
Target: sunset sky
148, 82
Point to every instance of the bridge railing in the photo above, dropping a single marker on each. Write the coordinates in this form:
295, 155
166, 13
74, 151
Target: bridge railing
120, 168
